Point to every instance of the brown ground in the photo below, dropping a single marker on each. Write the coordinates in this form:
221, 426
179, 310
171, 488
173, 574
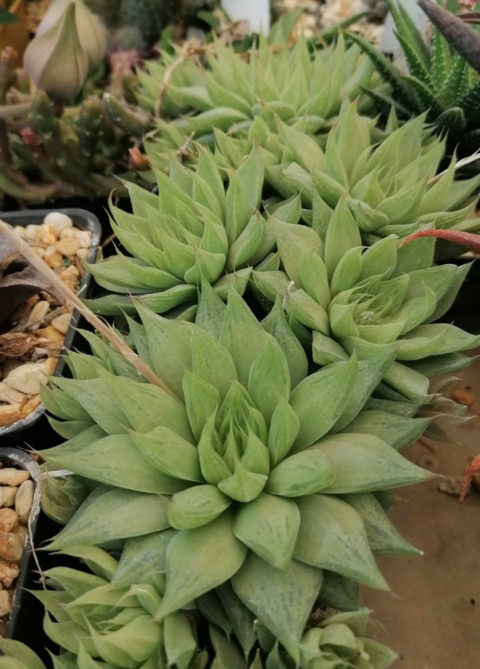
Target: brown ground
433, 620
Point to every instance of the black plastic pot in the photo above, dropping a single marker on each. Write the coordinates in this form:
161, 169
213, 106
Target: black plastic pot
83, 220
13, 457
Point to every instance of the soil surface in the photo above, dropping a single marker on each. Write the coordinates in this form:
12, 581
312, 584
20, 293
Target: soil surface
432, 616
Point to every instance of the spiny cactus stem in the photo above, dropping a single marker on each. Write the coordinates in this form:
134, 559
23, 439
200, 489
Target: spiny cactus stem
69, 297
467, 239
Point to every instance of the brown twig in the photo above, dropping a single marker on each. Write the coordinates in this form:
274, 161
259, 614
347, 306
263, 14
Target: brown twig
71, 299
190, 49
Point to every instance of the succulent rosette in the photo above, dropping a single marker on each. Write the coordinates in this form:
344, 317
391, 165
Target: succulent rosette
232, 90
259, 467
103, 617
196, 230
342, 298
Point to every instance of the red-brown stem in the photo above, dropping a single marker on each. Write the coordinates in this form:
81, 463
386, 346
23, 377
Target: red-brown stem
467, 239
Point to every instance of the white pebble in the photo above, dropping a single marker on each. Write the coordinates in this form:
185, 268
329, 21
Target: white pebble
62, 323
58, 221
24, 501
29, 377
38, 313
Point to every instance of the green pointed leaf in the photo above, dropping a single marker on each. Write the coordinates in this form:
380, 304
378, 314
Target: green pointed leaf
248, 243
293, 242
332, 536
241, 618
135, 642
148, 407
320, 400
342, 235
301, 474
99, 561
211, 311
281, 599
382, 535
269, 379
397, 431
201, 399
242, 336
239, 209
364, 463
243, 485
196, 507
338, 592
269, 527
276, 324
141, 558
108, 515
306, 311
284, 428
170, 350
115, 461
18, 651
169, 453
180, 644
198, 561
440, 338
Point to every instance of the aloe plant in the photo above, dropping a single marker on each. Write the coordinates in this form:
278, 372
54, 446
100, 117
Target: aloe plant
440, 82
247, 460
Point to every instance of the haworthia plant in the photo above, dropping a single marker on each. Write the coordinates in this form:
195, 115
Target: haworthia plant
337, 641
248, 463
195, 231
230, 92
380, 302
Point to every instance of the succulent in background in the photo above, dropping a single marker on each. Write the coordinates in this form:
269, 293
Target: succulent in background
440, 82
294, 84
50, 152
105, 614
337, 641
247, 459
69, 43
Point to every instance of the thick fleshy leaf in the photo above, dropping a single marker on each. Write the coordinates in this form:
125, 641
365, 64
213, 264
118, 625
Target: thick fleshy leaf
382, 535
276, 324
339, 592
397, 431
202, 400
68, 635
135, 642
293, 241
170, 350
342, 235
108, 515
97, 399
284, 429
115, 461
241, 618
142, 558
18, 651
370, 372
332, 536
227, 654
269, 527
196, 507
281, 599
445, 338
180, 644
320, 400
198, 561
211, 311
301, 474
364, 463
169, 453
212, 362
242, 335
148, 406
99, 561
243, 485
269, 379
300, 306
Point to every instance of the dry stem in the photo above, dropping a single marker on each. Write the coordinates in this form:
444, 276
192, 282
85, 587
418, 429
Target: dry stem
71, 299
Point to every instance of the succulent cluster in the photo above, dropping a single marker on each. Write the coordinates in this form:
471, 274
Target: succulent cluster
296, 85
245, 457
440, 82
